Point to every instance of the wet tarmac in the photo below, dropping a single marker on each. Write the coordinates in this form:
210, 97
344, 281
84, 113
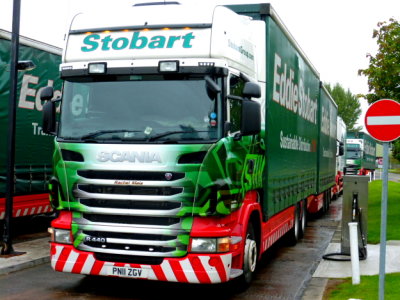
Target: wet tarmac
284, 273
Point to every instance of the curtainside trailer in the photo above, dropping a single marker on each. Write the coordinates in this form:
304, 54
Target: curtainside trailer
33, 148
340, 157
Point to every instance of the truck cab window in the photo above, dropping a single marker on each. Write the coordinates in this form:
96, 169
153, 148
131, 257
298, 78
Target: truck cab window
236, 85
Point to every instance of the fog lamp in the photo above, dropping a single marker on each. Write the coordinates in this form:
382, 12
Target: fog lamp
97, 68
168, 66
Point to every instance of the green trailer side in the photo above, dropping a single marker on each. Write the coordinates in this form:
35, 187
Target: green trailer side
291, 115
327, 115
33, 148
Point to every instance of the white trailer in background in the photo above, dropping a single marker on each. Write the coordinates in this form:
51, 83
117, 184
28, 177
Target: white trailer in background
340, 158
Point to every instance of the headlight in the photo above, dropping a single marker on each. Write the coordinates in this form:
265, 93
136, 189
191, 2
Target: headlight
210, 245
60, 236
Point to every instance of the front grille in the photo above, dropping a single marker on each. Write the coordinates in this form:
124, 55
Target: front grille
127, 204
132, 236
131, 216
129, 190
131, 175
133, 241
142, 248
351, 169
137, 220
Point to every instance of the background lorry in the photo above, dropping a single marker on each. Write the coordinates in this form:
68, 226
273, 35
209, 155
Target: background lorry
340, 157
33, 147
360, 154
189, 142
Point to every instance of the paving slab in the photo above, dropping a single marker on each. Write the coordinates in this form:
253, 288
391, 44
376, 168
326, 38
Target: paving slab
36, 252
370, 266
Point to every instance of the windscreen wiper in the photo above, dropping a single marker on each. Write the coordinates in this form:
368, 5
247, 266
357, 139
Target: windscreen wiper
97, 133
160, 135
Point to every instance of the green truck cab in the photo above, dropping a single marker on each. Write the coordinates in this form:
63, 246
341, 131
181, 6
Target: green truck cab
190, 140
360, 153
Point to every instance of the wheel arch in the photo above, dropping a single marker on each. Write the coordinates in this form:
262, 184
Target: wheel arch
255, 220
251, 213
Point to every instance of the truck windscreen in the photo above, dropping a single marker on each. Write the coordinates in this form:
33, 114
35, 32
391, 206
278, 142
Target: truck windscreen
140, 108
353, 151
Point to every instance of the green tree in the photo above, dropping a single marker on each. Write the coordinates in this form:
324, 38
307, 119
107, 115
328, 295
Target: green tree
396, 150
348, 106
383, 71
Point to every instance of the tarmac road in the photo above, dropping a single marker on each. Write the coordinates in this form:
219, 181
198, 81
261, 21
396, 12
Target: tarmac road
392, 176
284, 273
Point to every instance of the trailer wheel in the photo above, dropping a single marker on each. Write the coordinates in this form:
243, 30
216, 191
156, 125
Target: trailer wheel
249, 260
293, 234
328, 200
303, 219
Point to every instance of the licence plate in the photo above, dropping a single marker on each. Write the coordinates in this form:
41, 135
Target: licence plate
127, 272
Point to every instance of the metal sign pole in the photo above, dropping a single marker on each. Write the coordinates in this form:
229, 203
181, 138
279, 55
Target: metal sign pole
7, 248
382, 252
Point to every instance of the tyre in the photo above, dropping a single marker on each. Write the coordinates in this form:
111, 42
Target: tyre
250, 259
293, 234
303, 219
326, 202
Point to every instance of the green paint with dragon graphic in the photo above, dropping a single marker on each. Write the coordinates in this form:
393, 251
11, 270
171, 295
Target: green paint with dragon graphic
216, 186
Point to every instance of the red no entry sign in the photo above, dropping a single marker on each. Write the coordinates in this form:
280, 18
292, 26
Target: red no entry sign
382, 120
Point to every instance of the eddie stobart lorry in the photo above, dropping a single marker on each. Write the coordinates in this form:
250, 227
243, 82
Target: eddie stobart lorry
33, 148
360, 154
189, 141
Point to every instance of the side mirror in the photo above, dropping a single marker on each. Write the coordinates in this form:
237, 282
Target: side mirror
251, 90
49, 118
47, 93
341, 149
251, 118
49, 111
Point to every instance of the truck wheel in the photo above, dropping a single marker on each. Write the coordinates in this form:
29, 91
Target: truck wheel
293, 234
249, 260
303, 218
328, 200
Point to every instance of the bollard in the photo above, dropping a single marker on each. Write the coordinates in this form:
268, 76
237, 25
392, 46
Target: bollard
355, 259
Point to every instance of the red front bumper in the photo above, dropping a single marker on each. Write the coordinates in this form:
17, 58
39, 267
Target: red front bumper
193, 268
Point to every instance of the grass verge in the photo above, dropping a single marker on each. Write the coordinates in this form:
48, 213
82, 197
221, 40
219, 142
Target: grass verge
368, 289
374, 211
